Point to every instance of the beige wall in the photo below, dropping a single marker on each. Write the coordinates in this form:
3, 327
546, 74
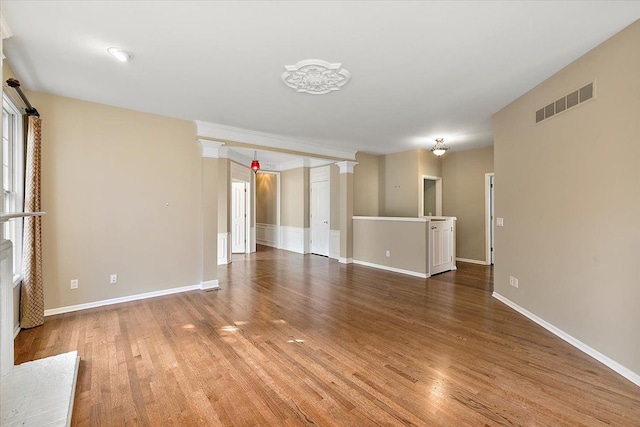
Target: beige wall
405, 241
122, 192
266, 198
428, 163
294, 196
366, 185
400, 176
463, 196
567, 189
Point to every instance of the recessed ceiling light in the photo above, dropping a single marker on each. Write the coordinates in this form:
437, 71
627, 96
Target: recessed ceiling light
120, 55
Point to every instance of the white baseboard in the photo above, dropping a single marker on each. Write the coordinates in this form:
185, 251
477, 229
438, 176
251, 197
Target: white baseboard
471, 261
16, 331
119, 300
625, 372
395, 270
345, 260
209, 284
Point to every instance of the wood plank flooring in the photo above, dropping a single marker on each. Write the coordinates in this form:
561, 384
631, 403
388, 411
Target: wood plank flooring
293, 340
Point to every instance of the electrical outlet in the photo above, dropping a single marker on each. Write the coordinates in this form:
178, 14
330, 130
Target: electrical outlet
113, 278
74, 284
388, 253
513, 281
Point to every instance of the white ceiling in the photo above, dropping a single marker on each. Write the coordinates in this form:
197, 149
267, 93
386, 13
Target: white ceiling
420, 70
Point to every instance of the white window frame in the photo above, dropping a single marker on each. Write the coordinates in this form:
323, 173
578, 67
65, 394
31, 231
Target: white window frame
16, 150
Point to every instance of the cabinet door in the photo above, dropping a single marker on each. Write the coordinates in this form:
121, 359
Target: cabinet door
440, 246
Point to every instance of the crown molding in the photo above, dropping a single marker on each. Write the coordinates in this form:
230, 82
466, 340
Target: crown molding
5, 31
346, 167
228, 133
210, 149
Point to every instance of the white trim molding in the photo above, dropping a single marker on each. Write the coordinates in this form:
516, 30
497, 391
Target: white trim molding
227, 133
224, 248
471, 261
334, 244
393, 269
488, 221
209, 284
5, 31
111, 301
342, 260
622, 370
16, 331
210, 149
346, 167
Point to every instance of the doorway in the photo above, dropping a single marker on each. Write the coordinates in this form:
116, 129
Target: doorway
430, 196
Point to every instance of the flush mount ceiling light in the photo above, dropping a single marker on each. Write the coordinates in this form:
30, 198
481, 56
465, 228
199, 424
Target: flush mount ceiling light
120, 55
315, 76
439, 149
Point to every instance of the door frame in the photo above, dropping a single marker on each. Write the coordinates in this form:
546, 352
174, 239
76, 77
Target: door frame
438, 180
489, 212
320, 174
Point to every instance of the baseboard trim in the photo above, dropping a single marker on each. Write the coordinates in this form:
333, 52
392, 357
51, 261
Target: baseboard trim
210, 284
16, 331
471, 261
622, 370
111, 301
393, 269
345, 260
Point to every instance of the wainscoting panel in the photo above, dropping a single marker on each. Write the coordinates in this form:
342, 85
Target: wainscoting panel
334, 248
295, 239
267, 234
224, 248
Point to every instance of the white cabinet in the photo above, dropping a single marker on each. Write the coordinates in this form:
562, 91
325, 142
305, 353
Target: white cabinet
441, 246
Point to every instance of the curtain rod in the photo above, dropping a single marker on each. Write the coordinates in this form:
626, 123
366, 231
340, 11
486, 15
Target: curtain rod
30, 110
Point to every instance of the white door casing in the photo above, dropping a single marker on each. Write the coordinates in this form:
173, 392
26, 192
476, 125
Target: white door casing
441, 246
320, 214
238, 216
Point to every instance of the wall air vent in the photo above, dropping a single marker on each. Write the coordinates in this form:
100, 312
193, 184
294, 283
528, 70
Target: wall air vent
576, 97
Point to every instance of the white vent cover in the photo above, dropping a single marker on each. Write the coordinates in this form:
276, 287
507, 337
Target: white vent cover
571, 100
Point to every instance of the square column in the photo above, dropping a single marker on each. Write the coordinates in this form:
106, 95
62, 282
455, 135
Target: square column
346, 211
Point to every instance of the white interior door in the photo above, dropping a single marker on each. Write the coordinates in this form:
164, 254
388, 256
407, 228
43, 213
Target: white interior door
320, 214
441, 246
238, 217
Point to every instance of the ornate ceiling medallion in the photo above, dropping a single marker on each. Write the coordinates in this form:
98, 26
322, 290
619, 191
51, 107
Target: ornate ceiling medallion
315, 76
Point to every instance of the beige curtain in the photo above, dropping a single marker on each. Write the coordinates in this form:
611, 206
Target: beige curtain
32, 296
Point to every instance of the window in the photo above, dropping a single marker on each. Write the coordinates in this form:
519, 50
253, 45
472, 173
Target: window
13, 178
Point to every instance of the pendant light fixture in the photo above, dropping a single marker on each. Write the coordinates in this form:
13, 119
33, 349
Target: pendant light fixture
439, 149
255, 164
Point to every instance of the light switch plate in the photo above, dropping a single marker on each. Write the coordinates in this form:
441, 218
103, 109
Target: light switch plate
499, 222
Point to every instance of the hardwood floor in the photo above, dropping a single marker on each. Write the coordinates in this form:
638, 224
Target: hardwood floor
299, 340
